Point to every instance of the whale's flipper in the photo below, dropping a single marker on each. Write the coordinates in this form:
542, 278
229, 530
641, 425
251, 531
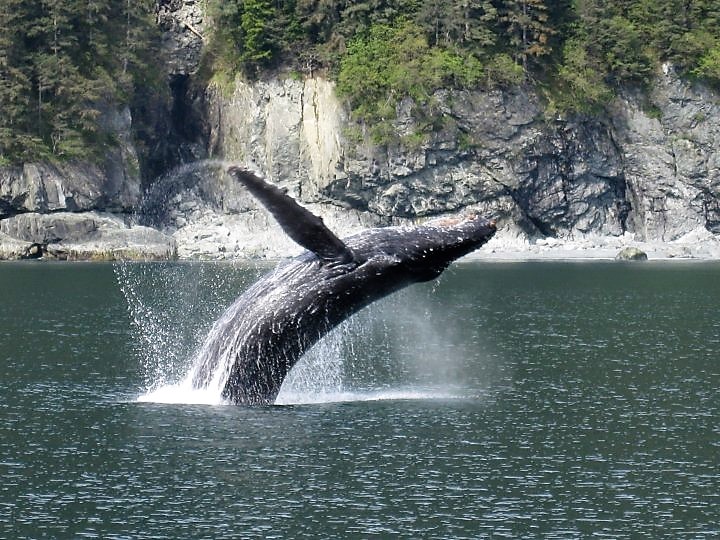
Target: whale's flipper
300, 224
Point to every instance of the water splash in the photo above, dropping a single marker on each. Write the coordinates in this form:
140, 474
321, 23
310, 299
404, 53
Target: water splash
396, 394
172, 314
392, 350
320, 373
198, 177
171, 307
182, 393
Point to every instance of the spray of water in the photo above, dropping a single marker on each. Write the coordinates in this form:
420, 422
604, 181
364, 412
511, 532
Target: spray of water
393, 350
171, 307
196, 178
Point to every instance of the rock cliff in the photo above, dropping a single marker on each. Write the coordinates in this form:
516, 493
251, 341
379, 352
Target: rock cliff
79, 209
647, 170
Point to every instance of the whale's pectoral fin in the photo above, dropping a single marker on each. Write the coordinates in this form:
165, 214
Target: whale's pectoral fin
300, 224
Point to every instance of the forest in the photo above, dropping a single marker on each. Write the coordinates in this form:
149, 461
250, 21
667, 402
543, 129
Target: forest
576, 52
61, 61
64, 62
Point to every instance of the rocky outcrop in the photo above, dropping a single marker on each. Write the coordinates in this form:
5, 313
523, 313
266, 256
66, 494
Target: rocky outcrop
646, 169
645, 172
631, 254
72, 187
182, 23
669, 143
81, 236
79, 209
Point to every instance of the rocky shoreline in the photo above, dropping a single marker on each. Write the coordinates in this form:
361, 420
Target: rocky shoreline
95, 236
644, 174
91, 236
568, 188
696, 245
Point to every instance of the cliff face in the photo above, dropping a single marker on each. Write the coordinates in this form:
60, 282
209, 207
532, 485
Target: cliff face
670, 159
648, 169
79, 209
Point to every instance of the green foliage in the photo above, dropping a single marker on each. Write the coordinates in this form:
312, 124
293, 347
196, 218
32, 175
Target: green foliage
382, 51
250, 35
392, 63
708, 67
527, 28
255, 25
623, 48
61, 61
501, 70
583, 88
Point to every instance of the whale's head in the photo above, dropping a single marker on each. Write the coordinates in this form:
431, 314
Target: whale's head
441, 241
424, 251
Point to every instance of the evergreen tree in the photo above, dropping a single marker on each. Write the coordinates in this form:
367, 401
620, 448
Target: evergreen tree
16, 137
467, 24
476, 23
527, 23
60, 62
255, 22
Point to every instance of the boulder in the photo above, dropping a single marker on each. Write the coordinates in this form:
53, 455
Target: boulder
12, 248
631, 254
81, 236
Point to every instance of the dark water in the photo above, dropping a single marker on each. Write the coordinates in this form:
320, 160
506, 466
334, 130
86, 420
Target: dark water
532, 400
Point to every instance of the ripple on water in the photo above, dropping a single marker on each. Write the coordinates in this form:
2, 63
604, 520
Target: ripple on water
568, 411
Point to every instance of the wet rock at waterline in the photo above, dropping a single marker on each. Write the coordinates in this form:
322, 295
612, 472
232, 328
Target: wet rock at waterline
81, 236
631, 254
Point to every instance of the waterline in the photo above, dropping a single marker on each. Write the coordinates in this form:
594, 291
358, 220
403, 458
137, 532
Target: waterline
182, 394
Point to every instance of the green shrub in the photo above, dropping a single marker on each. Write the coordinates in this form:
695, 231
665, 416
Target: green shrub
390, 63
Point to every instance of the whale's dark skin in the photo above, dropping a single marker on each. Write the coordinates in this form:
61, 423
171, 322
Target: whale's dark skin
272, 324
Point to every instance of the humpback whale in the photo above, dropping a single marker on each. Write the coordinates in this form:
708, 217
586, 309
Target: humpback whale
255, 343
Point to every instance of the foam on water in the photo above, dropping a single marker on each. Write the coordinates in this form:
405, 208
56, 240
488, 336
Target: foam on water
184, 393
181, 393
291, 397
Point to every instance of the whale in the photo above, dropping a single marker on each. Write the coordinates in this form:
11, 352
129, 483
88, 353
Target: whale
254, 344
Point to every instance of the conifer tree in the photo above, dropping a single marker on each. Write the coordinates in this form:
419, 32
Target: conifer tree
528, 29
467, 24
15, 83
255, 21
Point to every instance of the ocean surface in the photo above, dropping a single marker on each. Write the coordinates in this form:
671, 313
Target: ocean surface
506, 400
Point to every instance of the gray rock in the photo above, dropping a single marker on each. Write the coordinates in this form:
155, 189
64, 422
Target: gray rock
653, 174
631, 254
182, 23
671, 163
82, 236
74, 186
12, 248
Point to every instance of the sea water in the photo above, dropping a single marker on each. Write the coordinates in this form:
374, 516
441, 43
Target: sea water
507, 400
